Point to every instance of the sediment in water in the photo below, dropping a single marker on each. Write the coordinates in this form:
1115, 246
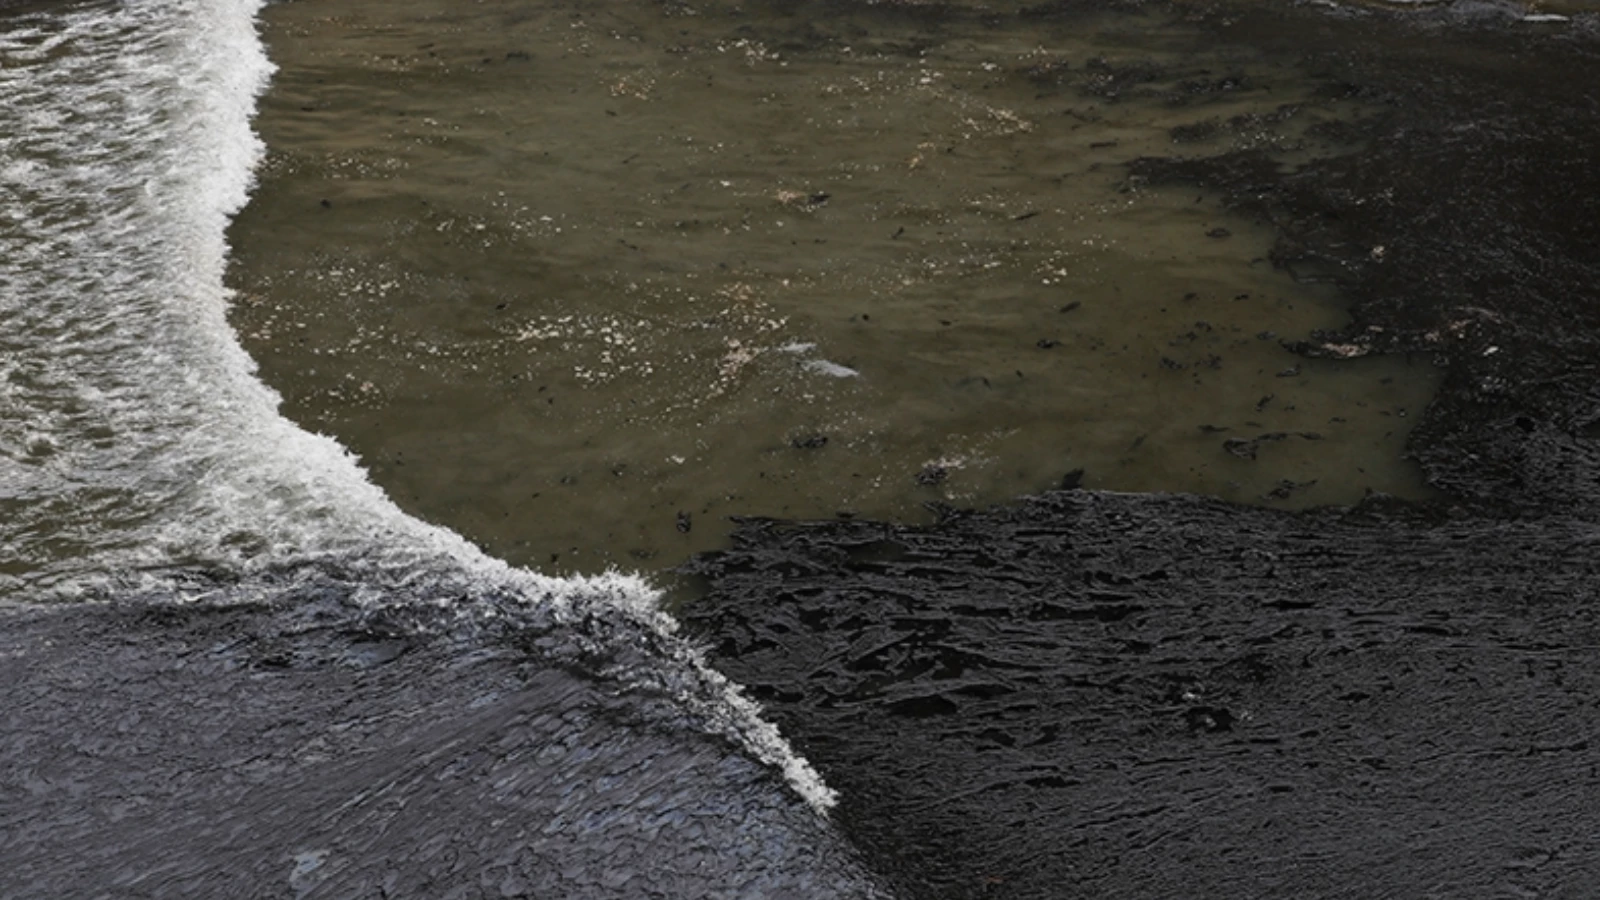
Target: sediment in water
1094, 694
1088, 692
780, 259
233, 667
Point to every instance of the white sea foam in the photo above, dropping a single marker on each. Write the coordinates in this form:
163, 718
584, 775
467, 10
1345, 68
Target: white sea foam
830, 369
136, 442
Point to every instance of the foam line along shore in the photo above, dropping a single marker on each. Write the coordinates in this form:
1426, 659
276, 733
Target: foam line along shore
156, 501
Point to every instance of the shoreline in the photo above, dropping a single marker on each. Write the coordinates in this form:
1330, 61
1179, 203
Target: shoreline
1121, 694
1160, 695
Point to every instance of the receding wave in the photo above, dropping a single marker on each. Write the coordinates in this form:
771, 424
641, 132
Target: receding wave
140, 457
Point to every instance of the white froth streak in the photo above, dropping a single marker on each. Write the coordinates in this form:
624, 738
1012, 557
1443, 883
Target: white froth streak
133, 428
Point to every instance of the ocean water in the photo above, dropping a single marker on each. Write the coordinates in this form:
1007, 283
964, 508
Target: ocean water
582, 281
478, 309
140, 454
576, 283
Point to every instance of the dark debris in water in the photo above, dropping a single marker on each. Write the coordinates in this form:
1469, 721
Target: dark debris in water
1080, 694
1287, 488
1151, 696
1247, 448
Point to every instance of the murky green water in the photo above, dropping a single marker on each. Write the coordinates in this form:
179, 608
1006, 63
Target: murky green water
582, 280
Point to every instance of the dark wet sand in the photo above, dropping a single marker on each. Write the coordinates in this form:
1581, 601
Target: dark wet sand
302, 749
1111, 695
1086, 694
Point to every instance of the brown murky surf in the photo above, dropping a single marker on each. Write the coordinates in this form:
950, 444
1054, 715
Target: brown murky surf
583, 280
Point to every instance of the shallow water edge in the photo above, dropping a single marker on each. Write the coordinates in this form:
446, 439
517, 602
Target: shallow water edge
1088, 691
676, 263
1160, 696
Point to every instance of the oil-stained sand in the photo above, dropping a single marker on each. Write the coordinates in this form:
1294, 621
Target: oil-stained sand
580, 281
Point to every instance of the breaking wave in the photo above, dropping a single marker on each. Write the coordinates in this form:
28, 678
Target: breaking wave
141, 457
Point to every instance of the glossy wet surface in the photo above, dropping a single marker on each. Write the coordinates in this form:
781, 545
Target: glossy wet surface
1082, 694
1103, 695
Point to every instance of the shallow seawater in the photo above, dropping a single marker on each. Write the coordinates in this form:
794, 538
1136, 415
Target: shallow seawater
580, 281
144, 465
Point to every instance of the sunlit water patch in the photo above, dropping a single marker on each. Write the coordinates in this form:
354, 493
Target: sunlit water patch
582, 281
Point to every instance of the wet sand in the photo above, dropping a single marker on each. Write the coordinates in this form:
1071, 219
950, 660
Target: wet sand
1093, 694
1083, 694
